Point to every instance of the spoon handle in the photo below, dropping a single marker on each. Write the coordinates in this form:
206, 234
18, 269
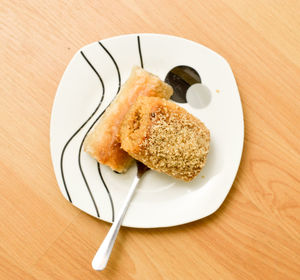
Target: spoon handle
101, 258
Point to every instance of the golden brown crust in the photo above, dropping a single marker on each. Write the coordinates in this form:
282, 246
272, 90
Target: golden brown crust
103, 141
165, 137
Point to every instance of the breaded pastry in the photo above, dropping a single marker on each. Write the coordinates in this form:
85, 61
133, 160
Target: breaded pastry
165, 137
103, 141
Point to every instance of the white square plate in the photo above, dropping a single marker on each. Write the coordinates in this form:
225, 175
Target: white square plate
91, 81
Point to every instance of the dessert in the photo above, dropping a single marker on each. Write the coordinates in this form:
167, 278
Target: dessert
103, 141
165, 137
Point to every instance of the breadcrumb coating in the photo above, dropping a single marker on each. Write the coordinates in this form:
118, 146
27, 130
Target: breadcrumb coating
165, 137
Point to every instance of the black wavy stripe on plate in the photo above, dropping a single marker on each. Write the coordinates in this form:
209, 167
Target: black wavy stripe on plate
98, 164
76, 132
80, 148
81, 144
140, 51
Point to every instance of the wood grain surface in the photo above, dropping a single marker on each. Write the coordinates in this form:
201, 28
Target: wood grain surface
254, 235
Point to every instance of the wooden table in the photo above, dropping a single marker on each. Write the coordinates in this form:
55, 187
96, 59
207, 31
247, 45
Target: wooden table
254, 235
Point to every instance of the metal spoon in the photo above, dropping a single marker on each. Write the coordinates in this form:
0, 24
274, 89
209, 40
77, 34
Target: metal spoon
101, 258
